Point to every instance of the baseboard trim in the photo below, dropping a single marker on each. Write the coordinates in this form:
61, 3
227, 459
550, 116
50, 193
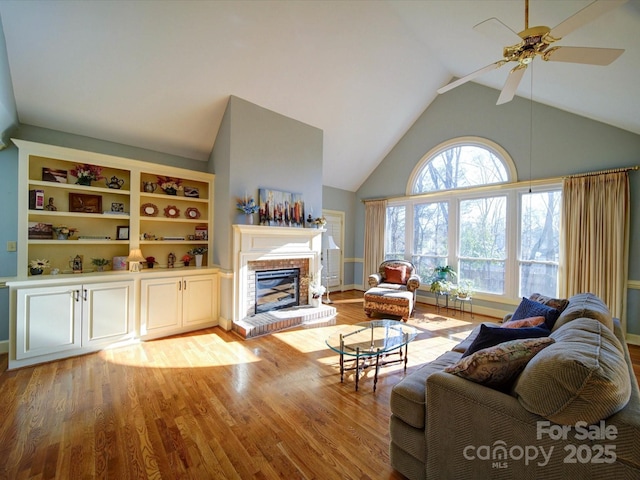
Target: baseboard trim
632, 338
4, 346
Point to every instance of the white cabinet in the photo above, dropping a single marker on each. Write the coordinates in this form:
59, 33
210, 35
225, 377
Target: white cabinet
57, 321
170, 305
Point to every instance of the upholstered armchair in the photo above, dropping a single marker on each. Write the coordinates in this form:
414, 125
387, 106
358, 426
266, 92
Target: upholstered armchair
393, 289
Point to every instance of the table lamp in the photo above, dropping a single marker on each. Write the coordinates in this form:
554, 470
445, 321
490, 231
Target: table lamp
134, 259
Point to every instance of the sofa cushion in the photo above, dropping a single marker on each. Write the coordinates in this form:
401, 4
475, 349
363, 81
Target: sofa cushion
525, 322
558, 303
408, 396
585, 305
490, 336
583, 376
529, 308
497, 366
395, 274
464, 345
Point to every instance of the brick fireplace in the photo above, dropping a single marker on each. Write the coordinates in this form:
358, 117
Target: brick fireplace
257, 247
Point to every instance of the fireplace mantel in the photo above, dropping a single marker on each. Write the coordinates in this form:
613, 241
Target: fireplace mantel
257, 242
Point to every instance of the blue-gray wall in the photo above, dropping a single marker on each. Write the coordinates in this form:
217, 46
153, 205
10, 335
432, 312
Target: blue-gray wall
563, 144
258, 148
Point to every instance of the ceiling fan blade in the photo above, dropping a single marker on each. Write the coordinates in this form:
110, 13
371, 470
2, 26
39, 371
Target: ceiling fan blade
496, 30
586, 55
584, 16
471, 76
511, 85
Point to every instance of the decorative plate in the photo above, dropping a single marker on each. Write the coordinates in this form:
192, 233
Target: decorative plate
149, 209
171, 211
192, 212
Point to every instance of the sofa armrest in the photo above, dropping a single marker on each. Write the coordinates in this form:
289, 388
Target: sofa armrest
374, 279
413, 283
466, 420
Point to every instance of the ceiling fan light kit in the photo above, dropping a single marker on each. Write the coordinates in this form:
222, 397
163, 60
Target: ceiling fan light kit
536, 41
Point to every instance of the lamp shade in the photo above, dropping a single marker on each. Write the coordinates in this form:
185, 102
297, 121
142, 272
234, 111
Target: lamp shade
134, 259
331, 244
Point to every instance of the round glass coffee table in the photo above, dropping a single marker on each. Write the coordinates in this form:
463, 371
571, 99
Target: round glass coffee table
364, 341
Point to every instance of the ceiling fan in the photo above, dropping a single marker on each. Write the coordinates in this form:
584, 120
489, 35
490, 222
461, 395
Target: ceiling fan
537, 41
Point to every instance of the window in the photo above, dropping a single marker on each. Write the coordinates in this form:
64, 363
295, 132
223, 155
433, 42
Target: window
482, 253
504, 239
395, 233
539, 242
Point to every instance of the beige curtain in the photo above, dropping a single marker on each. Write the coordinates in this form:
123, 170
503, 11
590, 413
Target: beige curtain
595, 237
375, 218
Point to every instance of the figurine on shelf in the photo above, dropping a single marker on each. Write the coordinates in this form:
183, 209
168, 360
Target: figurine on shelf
50, 206
171, 260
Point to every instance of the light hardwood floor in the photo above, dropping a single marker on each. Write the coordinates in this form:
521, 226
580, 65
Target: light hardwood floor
210, 405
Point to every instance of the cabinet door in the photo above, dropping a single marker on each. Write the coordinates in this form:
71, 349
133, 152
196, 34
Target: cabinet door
107, 312
160, 305
48, 320
199, 294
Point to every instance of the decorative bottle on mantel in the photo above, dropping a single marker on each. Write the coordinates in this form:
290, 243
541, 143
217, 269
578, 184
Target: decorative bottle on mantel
171, 260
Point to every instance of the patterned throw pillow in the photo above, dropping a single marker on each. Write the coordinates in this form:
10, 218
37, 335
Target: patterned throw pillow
558, 303
529, 308
498, 366
490, 336
525, 322
396, 274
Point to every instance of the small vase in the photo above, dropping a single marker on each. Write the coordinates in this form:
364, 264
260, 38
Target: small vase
84, 181
170, 191
315, 302
35, 271
150, 264
198, 260
248, 219
63, 236
100, 268
186, 263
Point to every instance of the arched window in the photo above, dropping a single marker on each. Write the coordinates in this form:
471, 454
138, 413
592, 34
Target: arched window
461, 163
459, 211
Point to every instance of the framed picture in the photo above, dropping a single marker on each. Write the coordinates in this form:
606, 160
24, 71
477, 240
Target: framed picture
117, 207
40, 231
192, 192
123, 233
53, 175
84, 203
280, 209
201, 233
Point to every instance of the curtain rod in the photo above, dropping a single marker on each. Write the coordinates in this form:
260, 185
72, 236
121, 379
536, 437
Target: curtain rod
603, 172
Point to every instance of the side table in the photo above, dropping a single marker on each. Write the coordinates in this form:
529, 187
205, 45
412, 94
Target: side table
463, 301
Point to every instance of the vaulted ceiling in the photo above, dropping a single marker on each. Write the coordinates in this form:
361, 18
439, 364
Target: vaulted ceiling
158, 74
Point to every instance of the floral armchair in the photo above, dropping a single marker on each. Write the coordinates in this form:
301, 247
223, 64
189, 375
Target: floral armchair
393, 289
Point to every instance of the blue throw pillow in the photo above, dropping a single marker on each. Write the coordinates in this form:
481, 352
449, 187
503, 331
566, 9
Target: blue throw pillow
491, 336
529, 308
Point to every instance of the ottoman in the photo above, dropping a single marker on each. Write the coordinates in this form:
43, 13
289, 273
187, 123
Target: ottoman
387, 301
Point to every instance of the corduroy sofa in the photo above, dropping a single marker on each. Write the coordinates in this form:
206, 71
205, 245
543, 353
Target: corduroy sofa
572, 412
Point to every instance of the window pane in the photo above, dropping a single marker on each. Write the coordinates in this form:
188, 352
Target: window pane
395, 233
538, 278
539, 242
540, 226
460, 167
430, 237
485, 275
483, 243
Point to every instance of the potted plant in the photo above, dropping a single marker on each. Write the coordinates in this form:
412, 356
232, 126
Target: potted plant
63, 232
464, 289
439, 282
197, 253
150, 261
316, 289
247, 206
186, 258
36, 267
100, 263
86, 173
